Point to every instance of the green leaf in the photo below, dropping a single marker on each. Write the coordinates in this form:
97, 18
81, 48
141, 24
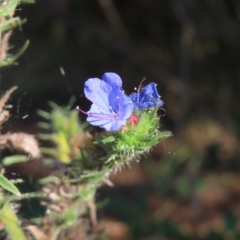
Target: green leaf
87, 192
7, 9
10, 60
11, 23
50, 179
9, 218
45, 136
50, 151
111, 158
44, 114
71, 102
44, 125
7, 161
7, 185
53, 105
71, 215
108, 139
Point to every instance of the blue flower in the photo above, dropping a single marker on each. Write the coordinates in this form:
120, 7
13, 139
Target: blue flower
146, 98
111, 107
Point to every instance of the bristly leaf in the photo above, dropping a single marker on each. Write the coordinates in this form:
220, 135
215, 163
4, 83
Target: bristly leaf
11, 223
7, 161
134, 140
7, 185
12, 59
71, 102
44, 114
11, 23
108, 139
67, 135
7, 9
44, 125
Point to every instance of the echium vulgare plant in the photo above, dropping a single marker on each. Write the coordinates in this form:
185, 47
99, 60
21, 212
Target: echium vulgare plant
86, 158
131, 122
80, 159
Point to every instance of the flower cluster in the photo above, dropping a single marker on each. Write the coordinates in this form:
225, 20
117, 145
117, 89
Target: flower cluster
146, 98
111, 107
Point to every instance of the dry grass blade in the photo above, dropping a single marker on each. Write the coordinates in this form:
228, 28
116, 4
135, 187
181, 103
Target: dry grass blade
4, 114
38, 234
21, 142
4, 45
6, 96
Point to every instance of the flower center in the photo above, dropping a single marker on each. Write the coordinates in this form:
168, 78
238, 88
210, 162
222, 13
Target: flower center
113, 113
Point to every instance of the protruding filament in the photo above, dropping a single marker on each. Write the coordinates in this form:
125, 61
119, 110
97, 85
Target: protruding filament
79, 109
111, 110
139, 88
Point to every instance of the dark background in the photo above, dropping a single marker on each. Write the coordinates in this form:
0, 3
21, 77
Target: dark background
189, 188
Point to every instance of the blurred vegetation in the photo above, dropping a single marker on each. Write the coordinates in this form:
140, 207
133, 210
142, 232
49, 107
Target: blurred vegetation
189, 187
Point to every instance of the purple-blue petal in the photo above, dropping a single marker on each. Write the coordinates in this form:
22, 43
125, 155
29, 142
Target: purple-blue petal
148, 97
133, 97
150, 90
97, 92
111, 107
128, 108
120, 103
97, 118
112, 79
